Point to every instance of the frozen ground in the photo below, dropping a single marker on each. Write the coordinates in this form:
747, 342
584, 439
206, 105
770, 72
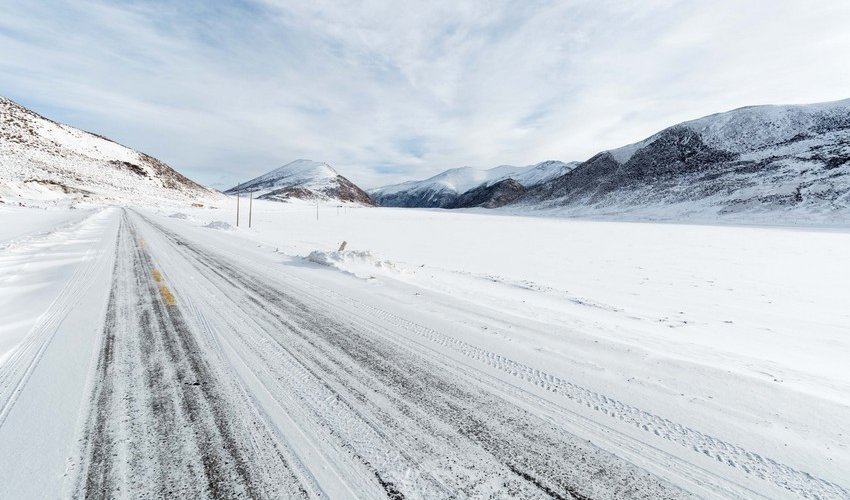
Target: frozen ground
440, 354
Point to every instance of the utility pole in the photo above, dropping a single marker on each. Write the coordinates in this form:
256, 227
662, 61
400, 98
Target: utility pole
238, 186
250, 207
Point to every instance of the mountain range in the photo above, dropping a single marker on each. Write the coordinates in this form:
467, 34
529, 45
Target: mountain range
755, 159
43, 162
445, 190
759, 159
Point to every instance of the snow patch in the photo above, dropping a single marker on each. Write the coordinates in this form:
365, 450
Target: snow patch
219, 224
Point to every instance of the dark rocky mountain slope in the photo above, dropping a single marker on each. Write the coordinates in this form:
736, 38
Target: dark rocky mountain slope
762, 159
496, 195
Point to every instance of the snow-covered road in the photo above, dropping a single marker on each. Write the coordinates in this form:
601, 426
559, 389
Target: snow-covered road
163, 420
376, 415
194, 365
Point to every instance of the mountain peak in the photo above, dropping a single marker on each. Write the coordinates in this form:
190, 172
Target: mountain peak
303, 179
294, 172
303, 163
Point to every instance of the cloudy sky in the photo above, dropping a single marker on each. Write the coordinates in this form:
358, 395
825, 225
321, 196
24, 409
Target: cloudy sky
392, 90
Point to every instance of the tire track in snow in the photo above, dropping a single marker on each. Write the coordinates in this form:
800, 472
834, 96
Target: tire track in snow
24, 360
298, 379
162, 422
800, 483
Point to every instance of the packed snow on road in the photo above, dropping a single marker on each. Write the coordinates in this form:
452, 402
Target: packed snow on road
341, 351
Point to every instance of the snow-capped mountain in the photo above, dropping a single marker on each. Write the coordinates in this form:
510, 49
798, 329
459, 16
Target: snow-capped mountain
445, 189
770, 159
304, 179
42, 162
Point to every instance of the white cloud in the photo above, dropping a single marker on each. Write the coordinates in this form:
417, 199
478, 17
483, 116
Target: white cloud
391, 90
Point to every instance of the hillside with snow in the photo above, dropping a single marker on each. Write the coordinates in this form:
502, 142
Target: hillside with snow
43, 162
777, 163
306, 180
446, 189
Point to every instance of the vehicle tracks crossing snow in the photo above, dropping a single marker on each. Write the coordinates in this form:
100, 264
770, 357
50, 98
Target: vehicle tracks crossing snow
798, 482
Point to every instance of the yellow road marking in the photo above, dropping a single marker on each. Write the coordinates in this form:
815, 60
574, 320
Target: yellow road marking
167, 297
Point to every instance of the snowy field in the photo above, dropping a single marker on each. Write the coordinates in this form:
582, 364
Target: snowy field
737, 331
712, 357
20, 222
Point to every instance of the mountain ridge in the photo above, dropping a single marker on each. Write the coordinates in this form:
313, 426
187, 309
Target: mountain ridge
444, 190
766, 159
45, 161
755, 159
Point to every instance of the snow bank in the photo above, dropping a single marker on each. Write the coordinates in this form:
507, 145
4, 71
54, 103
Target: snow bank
360, 263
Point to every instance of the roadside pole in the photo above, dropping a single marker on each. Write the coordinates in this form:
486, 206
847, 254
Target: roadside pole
317, 209
250, 207
237, 203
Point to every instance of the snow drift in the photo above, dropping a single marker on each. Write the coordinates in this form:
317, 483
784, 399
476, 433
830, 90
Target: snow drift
360, 263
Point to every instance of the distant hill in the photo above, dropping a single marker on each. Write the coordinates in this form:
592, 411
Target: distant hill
42, 161
303, 179
446, 190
